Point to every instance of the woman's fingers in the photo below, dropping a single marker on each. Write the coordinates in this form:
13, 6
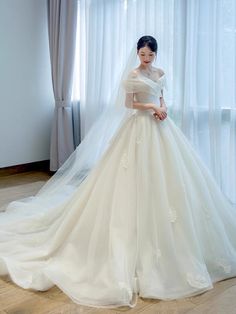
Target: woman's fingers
160, 113
160, 116
157, 117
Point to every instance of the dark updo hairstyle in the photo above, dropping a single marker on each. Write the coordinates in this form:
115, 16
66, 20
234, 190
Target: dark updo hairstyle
147, 41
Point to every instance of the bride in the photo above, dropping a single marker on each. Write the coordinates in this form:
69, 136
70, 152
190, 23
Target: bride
133, 211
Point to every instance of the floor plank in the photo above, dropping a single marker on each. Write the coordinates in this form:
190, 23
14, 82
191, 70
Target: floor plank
23, 178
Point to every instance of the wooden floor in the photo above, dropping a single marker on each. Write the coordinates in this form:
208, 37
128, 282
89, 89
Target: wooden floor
14, 300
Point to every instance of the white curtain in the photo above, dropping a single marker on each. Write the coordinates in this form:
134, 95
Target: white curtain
204, 72
197, 50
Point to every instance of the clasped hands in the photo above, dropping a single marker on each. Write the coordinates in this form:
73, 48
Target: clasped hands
160, 113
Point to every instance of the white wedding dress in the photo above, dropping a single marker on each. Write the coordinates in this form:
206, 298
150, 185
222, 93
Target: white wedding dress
148, 220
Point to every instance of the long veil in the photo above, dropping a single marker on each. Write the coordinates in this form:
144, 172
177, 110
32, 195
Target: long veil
87, 154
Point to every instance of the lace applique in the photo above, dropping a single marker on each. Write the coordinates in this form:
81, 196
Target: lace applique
138, 140
135, 284
183, 187
197, 281
156, 256
222, 262
125, 287
158, 253
124, 160
173, 215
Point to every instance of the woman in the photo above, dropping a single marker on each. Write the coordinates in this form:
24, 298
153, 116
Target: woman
143, 217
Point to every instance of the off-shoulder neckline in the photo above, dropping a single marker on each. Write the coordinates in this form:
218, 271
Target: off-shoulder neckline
146, 77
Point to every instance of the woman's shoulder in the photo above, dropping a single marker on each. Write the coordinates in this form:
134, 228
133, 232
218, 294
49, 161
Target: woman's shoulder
133, 73
158, 71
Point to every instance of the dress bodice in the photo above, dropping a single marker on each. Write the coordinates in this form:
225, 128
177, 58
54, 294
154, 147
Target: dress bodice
143, 88
145, 98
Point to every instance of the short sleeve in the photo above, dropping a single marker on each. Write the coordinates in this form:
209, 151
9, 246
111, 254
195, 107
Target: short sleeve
163, 82
129, 100
132, 75
130, 83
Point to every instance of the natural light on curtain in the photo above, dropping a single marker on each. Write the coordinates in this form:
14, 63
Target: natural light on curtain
204, 72
197, 50
108, 30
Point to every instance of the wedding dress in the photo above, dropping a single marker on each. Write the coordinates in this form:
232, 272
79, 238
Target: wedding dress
146, 219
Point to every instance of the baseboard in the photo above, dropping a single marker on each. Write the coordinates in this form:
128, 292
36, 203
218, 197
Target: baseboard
32, 166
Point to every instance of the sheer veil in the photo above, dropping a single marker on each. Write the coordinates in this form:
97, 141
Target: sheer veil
88, 153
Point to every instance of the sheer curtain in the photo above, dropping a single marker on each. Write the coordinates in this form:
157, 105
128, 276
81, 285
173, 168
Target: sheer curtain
204, 71
197, 52
108, 31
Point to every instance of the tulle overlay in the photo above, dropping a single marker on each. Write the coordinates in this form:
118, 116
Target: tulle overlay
148, 219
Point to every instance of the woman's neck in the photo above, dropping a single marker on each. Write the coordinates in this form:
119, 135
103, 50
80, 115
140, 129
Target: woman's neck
146, 68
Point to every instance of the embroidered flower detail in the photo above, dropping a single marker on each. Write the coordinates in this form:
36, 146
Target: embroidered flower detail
197, 281
158, 253
125, 287
124, 160
173, 215
135, 284
138, 140
183, 187
224, 264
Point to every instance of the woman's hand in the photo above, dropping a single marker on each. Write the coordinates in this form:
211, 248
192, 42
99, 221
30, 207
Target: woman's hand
160, 113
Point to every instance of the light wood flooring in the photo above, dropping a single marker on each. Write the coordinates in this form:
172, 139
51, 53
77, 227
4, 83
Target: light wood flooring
15, 300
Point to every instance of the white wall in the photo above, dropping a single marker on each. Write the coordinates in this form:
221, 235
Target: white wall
26, 97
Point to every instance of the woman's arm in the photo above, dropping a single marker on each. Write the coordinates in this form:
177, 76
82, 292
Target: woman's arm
162, 101
130, 103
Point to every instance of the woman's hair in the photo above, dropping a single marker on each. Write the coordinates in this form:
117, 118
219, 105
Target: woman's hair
147, 41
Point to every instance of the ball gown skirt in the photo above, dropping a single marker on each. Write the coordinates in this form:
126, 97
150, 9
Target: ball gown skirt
148, 220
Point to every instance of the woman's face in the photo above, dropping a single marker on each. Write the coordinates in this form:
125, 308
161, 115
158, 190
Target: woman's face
146, 56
